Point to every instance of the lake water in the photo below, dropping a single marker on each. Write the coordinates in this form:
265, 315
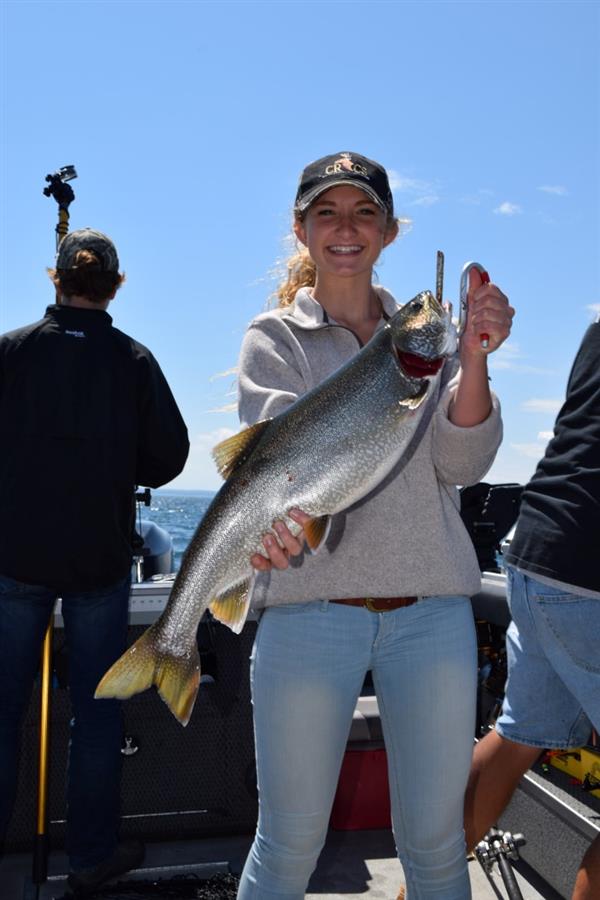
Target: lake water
179, 513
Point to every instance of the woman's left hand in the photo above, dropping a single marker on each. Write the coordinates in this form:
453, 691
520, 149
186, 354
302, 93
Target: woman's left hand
278, 551
488, 312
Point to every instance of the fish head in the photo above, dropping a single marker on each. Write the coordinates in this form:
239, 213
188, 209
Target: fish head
423, 335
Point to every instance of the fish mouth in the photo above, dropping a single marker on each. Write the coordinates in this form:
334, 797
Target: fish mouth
417, 366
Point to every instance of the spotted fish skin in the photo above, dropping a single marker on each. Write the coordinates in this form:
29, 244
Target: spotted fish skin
333, 446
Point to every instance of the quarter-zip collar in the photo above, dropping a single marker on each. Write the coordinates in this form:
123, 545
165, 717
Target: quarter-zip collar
308, 314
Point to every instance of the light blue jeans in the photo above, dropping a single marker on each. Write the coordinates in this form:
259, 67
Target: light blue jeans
308, 666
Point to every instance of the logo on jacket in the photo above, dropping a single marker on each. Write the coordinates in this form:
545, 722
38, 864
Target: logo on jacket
75, 333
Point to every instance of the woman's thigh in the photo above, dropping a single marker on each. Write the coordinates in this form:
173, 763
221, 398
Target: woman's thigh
308, 665
425, 674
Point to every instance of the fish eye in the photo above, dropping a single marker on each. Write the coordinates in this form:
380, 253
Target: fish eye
417, 305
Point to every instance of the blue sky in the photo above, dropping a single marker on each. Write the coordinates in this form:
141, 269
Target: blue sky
189, 122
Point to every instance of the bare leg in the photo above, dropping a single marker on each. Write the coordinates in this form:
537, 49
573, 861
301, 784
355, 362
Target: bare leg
496, 770
587, 884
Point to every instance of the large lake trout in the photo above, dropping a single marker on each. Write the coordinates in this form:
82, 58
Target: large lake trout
327, 451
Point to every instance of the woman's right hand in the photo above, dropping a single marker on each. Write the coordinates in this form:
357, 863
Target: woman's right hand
278, 557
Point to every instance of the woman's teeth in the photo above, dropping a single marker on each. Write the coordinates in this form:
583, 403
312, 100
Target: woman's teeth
353, 248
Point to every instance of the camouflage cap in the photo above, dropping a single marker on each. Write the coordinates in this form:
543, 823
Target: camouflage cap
87, 239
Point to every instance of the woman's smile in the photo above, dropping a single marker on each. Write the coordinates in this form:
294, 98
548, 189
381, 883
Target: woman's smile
345, 248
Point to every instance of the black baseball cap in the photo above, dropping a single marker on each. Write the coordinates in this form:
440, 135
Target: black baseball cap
87, 239
344, 168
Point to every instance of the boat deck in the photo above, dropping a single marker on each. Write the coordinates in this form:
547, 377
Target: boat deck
354, 865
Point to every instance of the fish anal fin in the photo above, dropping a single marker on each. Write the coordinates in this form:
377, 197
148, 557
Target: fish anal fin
316, 532
176, 677
231, 606
232, 452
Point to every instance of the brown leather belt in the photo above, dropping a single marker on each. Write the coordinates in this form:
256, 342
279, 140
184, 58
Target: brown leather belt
378, 604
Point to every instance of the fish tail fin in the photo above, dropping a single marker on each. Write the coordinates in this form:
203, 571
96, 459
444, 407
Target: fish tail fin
144, 664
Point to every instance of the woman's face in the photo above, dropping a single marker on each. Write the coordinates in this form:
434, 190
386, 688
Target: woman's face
344, 231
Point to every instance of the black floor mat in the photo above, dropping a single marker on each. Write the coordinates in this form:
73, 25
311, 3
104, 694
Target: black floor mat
182, 887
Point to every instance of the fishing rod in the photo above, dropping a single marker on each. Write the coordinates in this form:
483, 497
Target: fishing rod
64, 195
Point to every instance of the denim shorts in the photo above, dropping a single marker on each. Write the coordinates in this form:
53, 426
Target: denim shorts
552, 694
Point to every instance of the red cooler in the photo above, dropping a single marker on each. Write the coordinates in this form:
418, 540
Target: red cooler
362, 799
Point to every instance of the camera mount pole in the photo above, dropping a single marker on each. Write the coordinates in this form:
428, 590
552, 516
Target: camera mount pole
64, 195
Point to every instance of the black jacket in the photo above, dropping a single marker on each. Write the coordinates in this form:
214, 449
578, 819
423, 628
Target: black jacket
85, 415
558, 530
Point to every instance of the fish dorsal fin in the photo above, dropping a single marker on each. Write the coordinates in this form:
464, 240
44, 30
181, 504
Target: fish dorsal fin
232, 605
415, 402
232, 452
316, 532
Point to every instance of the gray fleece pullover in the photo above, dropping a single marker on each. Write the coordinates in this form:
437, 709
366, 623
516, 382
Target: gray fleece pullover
406, 537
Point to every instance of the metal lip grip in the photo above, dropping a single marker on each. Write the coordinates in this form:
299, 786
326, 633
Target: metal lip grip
464, 290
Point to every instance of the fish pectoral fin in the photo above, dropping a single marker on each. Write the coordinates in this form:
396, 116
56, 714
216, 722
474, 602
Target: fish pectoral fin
316, 532
232, 452
231, 606
143, 664
415, 402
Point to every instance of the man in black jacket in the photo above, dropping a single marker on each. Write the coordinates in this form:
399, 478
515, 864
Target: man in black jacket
85, 415
552, 697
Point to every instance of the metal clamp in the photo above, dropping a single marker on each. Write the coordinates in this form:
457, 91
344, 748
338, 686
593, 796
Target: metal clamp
501, 847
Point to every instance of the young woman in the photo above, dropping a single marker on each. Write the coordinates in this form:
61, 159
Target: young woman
389, 592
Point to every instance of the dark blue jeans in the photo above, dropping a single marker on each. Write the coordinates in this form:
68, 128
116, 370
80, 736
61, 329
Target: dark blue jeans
96, 635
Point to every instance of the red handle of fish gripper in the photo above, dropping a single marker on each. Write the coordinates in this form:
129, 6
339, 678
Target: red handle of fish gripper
484, 336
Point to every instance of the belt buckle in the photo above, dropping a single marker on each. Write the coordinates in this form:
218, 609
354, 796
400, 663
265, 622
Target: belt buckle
369, 601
